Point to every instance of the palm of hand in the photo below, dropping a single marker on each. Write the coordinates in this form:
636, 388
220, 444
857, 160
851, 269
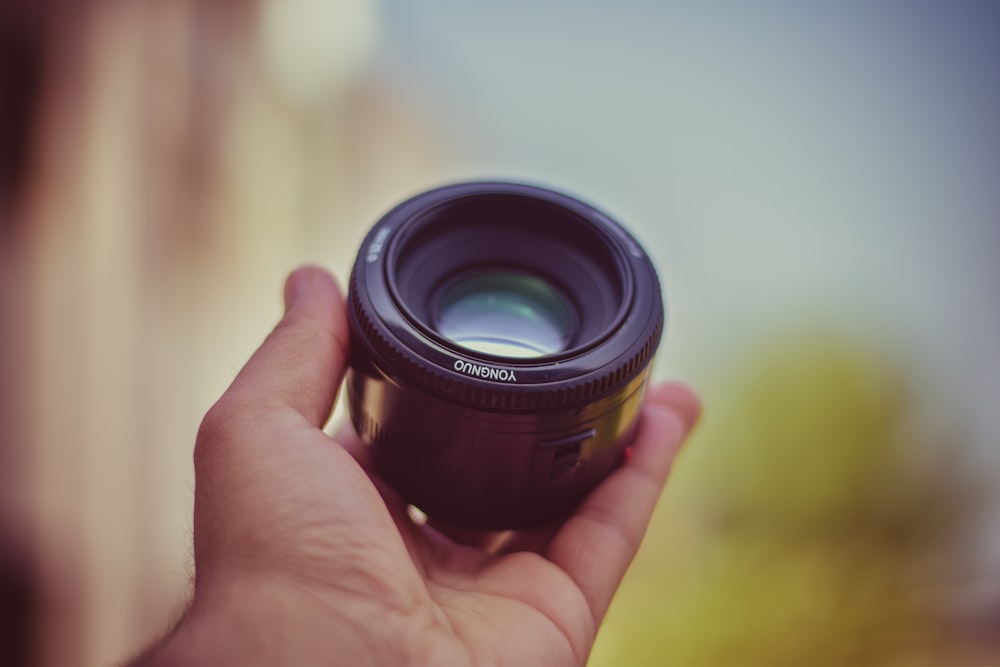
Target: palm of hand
349, 545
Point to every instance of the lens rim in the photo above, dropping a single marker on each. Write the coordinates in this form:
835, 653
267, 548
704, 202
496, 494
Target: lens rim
411, 231
385, 330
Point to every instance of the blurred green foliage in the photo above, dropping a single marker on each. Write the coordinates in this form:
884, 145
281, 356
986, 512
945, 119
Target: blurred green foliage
805, 524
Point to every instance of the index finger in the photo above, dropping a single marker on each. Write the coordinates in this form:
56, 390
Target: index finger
596, 545
301, 363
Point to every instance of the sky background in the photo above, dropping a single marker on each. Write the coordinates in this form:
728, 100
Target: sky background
787, 165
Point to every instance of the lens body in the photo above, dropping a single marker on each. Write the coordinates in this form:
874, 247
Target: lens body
501, 336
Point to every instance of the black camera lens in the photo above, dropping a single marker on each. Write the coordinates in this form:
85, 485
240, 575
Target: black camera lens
501, 336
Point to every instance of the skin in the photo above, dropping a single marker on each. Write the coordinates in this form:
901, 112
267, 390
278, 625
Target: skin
303, 556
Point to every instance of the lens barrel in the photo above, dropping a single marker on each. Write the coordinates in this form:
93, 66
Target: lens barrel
501, 337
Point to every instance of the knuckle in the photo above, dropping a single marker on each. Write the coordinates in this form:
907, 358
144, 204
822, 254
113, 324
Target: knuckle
214, 431
231, 428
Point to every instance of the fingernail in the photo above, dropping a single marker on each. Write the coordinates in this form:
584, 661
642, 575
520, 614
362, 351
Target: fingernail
296, 286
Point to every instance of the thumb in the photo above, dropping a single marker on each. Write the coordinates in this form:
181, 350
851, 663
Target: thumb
301, 363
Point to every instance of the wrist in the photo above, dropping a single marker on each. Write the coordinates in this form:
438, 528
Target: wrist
260, 620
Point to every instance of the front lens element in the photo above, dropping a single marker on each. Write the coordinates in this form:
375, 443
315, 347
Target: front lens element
505, 314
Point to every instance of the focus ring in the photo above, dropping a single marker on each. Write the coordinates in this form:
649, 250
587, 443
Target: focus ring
472, 392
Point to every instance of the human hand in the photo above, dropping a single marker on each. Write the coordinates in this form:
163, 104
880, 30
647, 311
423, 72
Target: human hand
303, 556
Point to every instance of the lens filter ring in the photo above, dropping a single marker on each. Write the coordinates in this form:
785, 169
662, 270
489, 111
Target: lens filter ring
431, 243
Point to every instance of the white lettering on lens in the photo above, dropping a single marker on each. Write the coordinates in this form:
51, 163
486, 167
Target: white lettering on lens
375, 248
485, 372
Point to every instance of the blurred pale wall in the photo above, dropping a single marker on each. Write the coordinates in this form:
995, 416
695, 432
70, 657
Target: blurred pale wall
182, 166
791, 167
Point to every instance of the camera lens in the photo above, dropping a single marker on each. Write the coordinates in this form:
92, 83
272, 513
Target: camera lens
501, 336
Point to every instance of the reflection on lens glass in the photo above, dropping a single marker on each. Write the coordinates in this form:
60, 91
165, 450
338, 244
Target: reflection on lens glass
504, 314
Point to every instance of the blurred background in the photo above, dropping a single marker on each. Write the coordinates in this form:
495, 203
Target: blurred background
819, 185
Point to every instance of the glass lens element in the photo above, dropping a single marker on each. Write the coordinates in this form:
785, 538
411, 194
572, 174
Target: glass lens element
504, 314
